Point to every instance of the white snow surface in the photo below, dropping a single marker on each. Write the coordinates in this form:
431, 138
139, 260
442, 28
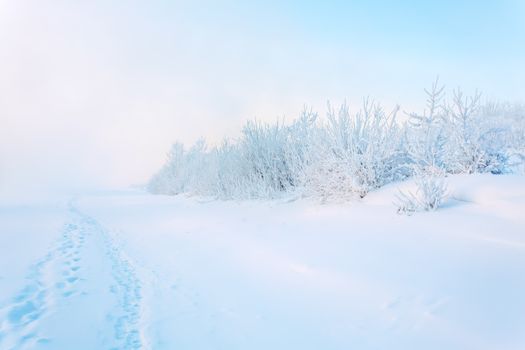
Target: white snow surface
128, 270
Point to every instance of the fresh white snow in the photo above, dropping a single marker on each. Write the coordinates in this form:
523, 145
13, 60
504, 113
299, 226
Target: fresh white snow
128, 270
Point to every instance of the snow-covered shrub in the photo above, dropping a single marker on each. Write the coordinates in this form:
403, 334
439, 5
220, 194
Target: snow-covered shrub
483, 138
303, 146
358, 153
229, 170
465, 154
425, 134
504, 139
330, 179
184, 171
431, 192
426, 137
168, 179
346, 155
474, 142
277, 155
264, 148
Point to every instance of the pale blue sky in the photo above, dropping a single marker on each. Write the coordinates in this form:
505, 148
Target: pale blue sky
119, 81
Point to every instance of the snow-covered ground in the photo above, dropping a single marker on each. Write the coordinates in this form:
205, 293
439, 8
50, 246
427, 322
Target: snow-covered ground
128, 270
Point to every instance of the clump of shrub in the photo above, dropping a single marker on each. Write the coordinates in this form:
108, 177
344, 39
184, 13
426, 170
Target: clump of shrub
346, 155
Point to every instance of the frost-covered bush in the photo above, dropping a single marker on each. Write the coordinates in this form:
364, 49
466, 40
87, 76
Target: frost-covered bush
504, 140
425, 135
303, 147
346, 155
190, 171
478, 141
230, 172
431, 192
275, 157
264, 149
358, 153
168, 179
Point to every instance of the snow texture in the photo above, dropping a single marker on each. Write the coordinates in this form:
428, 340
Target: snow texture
127, 270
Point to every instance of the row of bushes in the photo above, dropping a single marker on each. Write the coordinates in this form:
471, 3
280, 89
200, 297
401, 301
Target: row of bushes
346, 155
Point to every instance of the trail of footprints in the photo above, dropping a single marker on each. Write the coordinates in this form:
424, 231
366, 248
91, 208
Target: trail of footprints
54, 276
73, 241
128, 287
57, 278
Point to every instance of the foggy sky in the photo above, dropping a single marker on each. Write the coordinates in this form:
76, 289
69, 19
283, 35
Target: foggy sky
92, 93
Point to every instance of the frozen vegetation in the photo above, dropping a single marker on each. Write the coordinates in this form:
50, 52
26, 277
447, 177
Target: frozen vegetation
348, 155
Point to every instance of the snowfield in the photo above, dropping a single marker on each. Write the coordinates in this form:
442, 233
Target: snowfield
128, 270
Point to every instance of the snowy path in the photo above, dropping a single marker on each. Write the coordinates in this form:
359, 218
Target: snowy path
70, 284
127, 270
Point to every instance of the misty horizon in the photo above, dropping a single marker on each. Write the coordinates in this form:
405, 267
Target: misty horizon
95, 94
